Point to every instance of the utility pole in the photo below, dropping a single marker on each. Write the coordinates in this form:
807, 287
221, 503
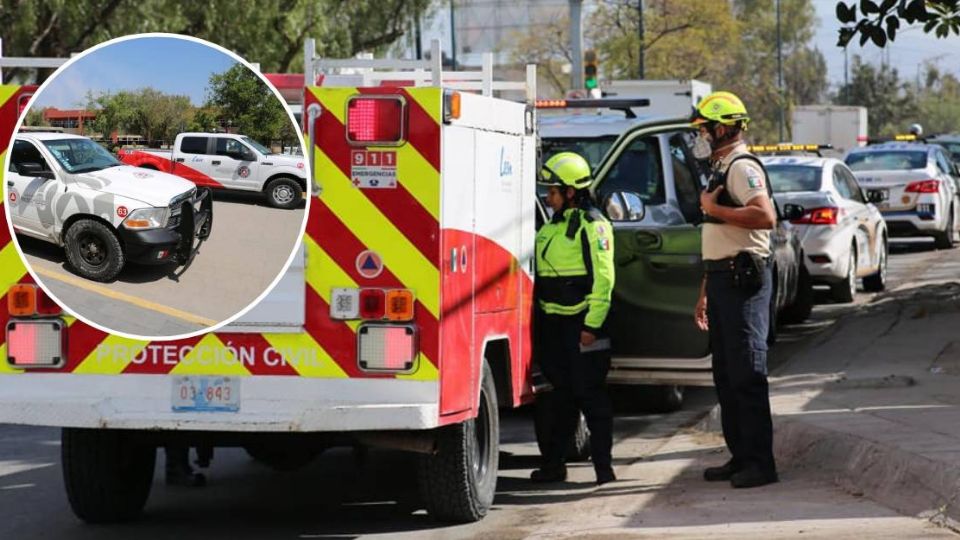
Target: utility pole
640, 35
576, 45
417, 36
453, 36
846, 79
780, 71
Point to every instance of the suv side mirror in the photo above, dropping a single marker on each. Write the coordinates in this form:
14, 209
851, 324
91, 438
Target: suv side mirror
792, 211
624, 206
35, 170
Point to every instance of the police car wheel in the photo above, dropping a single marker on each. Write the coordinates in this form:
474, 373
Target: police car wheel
802, 305
458, 481
107, 473
878, 281
844, 291
284, 193
93, 250
946, 239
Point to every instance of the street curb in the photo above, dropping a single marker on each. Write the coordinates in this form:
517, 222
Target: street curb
903, 481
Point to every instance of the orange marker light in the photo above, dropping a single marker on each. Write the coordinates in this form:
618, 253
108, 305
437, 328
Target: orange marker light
22, 300
399, 305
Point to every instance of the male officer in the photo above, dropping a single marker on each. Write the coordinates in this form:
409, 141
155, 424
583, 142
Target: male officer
574, 282
734, 303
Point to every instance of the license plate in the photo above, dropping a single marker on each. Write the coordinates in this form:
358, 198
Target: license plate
218, 394
884, 193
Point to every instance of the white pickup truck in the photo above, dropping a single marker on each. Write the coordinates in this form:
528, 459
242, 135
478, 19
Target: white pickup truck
71, 191
228, 161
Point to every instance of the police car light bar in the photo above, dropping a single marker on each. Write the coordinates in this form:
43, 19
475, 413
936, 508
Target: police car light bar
903, 137
788, 147
591, 103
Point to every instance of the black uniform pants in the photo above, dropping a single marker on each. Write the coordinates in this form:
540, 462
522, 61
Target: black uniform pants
739, 321
579, 384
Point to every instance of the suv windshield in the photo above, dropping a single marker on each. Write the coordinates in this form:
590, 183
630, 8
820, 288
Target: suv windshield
791, 178
260, 148
592, 149
893, 160
80, 155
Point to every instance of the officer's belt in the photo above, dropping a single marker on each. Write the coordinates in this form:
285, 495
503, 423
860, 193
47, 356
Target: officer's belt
721, 265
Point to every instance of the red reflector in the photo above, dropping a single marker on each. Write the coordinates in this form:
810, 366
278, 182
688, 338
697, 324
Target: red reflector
375, 120
372, 304
819, 216
46, 305
923, 186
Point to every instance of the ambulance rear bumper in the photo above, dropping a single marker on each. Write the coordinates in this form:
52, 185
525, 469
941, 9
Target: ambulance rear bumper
268, 404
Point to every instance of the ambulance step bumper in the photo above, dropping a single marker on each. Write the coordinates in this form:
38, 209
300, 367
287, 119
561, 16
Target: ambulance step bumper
267, 404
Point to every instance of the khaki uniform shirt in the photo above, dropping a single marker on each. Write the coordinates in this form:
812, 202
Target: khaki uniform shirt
745, 180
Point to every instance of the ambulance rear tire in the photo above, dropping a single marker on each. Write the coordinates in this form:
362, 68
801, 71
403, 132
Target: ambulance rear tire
284, 193
93, 250
459, 480
107, 473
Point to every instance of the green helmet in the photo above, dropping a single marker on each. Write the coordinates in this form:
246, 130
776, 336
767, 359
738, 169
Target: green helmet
722, 107
566, 169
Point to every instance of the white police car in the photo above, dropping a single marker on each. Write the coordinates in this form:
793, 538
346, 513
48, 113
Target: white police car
844, 236
70, 191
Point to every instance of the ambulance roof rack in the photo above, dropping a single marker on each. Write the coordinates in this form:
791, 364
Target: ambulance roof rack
421, 72
28, 62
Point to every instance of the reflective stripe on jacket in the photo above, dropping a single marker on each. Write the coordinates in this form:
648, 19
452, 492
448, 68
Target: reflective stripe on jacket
575, 265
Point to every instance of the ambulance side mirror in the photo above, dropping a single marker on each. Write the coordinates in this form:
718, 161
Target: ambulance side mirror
624, 206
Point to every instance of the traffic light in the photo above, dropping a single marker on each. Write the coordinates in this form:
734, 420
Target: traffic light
590, 69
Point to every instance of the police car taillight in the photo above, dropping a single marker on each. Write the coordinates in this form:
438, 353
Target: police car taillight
373, 120
36, 343
386, 347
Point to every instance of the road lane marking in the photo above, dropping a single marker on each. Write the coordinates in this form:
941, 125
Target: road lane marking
130, 299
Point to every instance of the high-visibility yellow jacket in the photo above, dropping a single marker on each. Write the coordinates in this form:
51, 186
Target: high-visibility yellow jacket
575, 265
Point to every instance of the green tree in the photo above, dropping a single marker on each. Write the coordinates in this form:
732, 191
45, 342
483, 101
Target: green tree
271, 33
891, 104
34, 117
147, 112
549, 49
241, 98
879, 20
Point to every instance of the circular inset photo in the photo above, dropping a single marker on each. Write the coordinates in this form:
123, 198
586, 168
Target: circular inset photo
156, 186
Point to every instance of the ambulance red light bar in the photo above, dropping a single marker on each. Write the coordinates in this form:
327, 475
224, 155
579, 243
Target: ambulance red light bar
36, 343
601, 103
383, 347
375, 120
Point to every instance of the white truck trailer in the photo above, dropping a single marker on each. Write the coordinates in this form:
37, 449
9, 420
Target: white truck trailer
842, 126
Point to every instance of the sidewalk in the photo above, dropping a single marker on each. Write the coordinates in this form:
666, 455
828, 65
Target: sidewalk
874, 403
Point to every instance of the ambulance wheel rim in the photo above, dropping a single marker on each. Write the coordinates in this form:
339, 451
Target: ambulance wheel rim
93, 250
283, 194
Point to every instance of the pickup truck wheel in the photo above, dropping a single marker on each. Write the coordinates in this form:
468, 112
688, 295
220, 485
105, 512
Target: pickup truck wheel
543, 425
94, 250
107, 473
284, 193
458, 481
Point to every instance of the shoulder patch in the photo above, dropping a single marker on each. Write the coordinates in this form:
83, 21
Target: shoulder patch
604, 243
754, 178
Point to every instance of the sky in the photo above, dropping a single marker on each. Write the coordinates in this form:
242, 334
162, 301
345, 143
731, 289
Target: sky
170, 65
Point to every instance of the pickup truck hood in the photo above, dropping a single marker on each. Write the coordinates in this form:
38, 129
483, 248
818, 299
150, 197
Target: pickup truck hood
278, 160
148, 186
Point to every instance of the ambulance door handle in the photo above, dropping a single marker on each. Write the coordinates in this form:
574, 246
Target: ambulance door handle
216, 162
179, 160
649, 239
10, 183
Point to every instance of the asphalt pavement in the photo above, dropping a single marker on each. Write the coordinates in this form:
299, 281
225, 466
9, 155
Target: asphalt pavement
247, 249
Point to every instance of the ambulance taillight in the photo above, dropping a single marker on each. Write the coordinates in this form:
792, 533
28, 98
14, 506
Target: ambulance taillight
36, 343
28, 300
386, 347
374, 304
375, 120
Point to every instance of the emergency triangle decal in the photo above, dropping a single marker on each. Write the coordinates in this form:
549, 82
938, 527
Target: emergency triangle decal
369, 264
